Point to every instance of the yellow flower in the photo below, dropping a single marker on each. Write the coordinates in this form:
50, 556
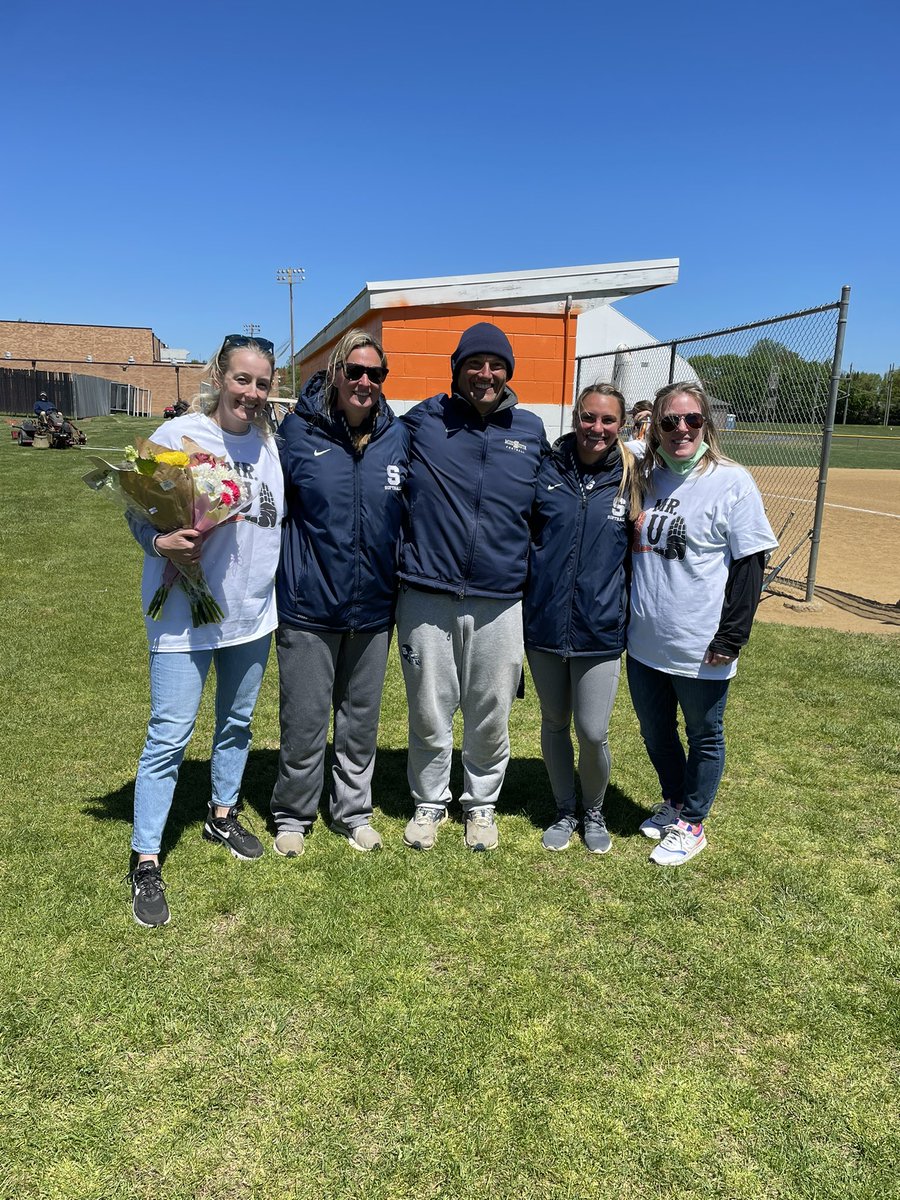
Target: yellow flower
173, 458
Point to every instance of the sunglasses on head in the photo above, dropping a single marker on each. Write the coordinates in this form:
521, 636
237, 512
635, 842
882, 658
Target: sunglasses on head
670, 422
236, 340
355, 371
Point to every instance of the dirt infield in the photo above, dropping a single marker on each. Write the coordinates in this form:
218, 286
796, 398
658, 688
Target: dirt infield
859, 552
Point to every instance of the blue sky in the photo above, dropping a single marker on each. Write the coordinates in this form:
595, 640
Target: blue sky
162, 162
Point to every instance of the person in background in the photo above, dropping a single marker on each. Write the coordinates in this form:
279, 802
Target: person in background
239, 561
700, 545
345, 458
474, 461
43, 406
576, 605
640, 422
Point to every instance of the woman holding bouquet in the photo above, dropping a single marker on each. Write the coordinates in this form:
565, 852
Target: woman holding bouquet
228, 420
345, 458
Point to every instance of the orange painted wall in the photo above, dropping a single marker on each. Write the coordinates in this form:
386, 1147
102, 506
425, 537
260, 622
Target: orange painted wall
419, 342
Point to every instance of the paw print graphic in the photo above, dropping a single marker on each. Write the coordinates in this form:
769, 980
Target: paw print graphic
268, 513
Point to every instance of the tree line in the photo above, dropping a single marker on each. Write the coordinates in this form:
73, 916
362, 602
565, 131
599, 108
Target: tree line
774, 383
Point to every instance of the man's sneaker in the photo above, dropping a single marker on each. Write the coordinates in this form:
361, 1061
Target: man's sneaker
148, 901
481, 828
363, 837
421, 832
289, 843
596, 835
231, 833
559, 835
664, 815
682, 841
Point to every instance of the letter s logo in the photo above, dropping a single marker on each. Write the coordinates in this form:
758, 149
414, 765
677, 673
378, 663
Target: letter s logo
393, 476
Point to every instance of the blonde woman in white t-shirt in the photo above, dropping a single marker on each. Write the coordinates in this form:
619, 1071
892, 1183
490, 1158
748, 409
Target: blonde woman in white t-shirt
228, 420
698, 558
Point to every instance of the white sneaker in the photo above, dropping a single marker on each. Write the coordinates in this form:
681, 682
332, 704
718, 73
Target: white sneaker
664, 815
682, 841
363, 837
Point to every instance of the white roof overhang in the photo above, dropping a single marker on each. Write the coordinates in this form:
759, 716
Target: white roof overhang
546, 291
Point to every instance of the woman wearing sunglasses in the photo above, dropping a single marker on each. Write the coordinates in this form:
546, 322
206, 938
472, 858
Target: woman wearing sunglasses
576, 605
345, 458
699, 551
228, 420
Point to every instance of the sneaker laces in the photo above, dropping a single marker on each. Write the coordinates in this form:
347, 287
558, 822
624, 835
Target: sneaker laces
147, 879
229, 822
677, 837
667, 810
482, 816
425, 814
594, 816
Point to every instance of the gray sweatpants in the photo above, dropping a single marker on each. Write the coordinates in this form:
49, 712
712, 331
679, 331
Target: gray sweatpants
458, 654
318, 672
585, 687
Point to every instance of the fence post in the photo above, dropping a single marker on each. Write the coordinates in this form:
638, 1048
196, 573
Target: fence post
672, 356
826, 443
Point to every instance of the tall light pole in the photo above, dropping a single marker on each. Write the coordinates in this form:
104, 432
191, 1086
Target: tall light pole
251, 330
287, 275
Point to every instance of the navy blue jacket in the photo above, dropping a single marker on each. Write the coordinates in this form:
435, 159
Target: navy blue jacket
576, 603
338, 569
471, 486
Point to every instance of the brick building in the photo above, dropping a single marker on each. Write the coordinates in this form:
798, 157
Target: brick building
123, 354
419, 321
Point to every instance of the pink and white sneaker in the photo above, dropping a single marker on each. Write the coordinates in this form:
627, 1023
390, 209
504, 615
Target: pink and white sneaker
681, 842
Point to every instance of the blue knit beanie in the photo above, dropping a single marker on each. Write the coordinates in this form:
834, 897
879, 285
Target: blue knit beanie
483, 338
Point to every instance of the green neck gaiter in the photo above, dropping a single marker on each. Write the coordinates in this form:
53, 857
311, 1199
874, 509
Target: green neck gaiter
682, 466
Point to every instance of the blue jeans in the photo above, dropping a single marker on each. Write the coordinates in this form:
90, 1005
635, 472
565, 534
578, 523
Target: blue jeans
176, 685
690, 781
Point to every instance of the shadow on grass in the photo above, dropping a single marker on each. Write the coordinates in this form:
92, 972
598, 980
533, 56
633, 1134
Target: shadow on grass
526, 790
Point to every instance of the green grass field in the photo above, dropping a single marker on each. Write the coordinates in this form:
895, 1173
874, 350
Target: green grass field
871, 447
448, 1025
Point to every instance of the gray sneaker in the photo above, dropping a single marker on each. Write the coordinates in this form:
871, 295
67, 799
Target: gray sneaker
559, 835
664, 815
363, 837
421, 832
481, 828
596, 835
289, 844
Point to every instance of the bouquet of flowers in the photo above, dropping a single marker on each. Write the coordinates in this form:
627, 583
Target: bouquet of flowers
175, 489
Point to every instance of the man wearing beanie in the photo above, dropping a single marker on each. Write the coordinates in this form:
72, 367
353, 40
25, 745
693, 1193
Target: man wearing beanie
463, 559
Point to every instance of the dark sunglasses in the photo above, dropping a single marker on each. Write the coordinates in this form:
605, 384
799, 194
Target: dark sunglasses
670, 422
234, 340
355, 372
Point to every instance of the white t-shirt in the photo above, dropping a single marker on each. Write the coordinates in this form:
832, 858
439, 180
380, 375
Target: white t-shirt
239, 558
690, 531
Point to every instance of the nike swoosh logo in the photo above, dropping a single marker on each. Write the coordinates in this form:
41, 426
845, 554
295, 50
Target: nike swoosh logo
316, 453
551, 486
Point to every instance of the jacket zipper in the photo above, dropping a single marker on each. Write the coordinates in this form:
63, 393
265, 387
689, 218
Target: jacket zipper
461, 594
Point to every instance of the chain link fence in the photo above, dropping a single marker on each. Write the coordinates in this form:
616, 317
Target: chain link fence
770, 385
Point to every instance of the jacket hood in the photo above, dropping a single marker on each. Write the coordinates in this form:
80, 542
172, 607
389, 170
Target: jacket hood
311, 407
508, 399
563, 452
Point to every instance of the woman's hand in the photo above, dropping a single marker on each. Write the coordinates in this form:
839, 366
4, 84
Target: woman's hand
713, 658
182, 546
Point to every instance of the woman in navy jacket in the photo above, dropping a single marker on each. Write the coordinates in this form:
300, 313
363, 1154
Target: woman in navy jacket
345, 458
576, 605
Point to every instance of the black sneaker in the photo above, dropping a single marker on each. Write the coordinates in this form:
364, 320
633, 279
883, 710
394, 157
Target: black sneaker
231, 833
148, 901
